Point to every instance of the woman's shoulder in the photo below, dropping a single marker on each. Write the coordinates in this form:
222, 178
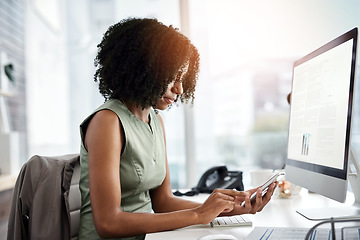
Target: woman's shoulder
111, 103
105, 114
115, 105
109, 108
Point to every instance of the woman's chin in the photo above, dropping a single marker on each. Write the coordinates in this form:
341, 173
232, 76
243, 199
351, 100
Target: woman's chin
161, 107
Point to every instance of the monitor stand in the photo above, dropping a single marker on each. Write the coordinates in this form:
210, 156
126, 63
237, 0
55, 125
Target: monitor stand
321, 214
348, 212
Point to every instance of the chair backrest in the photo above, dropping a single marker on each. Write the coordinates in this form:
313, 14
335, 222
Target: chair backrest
46, 200
75, 202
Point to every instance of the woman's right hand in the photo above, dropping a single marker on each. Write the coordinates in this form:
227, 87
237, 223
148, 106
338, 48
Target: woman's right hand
219, 201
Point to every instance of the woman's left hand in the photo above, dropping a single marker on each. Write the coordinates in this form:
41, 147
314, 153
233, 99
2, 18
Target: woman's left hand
256, 206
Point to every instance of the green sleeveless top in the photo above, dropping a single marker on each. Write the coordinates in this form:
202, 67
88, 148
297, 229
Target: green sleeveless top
142, 165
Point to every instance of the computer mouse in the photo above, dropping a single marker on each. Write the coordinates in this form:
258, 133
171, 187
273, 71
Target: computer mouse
218, 237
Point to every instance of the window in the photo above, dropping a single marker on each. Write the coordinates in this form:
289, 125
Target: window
240, 113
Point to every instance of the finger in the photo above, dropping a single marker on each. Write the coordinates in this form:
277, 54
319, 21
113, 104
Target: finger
248, 192
269, 193
251, 191
231, 192
220, 194
228, 204
238, 201
258, 202
273, 187
247, 204
242, 195
270, 190
229, 198
267, 196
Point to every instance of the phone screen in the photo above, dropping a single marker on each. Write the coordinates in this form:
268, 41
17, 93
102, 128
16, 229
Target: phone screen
265, 186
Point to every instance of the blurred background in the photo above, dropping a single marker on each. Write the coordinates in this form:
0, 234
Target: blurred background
240, 114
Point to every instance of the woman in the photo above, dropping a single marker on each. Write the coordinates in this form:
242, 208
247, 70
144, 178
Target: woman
143, 65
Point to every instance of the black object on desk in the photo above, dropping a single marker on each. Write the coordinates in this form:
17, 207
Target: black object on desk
216, 177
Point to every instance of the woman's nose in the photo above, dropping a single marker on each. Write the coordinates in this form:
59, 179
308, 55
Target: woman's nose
178, 88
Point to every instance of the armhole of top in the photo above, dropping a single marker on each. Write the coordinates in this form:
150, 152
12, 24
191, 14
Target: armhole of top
85, 124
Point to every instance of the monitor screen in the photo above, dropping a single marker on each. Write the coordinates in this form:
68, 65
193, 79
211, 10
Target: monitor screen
320, 117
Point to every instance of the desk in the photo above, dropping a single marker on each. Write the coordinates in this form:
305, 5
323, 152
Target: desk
278, 213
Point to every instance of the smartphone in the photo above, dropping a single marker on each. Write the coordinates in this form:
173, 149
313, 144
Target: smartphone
265, 186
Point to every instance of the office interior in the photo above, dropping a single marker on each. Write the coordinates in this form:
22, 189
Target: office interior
240, 114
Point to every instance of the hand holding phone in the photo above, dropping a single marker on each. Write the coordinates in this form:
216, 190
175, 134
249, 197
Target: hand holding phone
265, 186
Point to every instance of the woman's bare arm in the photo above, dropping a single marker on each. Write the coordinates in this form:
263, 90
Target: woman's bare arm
164, 201
103, 140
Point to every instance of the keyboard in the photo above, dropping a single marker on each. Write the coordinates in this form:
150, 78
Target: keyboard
232, 221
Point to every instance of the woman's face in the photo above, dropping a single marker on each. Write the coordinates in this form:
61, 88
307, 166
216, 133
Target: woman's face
174, 89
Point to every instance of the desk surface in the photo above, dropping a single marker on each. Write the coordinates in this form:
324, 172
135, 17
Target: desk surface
278, 213
7, 182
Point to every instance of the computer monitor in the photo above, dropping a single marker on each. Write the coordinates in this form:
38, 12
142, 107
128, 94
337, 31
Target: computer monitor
321, 113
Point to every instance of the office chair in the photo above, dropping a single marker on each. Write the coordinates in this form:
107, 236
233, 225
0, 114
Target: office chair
75, 201
46, 200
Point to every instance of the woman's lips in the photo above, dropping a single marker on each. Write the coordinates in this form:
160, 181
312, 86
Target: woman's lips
169, 100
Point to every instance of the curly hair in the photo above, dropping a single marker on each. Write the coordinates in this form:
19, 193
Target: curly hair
138, 58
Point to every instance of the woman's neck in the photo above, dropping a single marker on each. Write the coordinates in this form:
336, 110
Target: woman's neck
138, 111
